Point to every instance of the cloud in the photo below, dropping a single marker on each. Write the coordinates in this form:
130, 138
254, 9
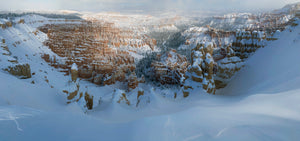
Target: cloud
28, 4
94, 5
117, 5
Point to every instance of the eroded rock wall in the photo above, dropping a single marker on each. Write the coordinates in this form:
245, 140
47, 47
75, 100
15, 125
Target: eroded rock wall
201, 71
100, 50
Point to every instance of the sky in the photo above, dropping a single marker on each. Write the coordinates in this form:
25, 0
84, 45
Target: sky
148, 5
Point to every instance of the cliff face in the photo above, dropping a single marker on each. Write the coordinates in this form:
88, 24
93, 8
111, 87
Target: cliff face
215, 63
247, 42
101, 50
211, 68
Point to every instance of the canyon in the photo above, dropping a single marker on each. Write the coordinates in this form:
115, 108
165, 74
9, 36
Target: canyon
108, 48
69, 75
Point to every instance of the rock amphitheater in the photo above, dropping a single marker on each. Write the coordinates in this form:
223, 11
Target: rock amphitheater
98, 50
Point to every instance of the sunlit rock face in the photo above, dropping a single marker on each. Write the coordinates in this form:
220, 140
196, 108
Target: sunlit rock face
100, 49
201, 71
170, 68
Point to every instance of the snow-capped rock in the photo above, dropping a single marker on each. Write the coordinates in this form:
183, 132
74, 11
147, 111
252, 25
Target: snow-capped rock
170, 68
201, 72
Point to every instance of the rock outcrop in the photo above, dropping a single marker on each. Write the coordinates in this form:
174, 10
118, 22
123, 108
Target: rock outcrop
100, 50
227, 66
170, 68
201, 72
74, 72
211, 69
248, 42
132, 81
75, 93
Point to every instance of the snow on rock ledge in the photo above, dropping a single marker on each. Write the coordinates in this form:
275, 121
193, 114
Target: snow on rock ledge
201, 72
170, 68
227, 67
211, 68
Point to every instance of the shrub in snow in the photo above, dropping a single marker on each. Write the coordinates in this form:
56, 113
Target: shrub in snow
140, 93
89, 100
123, 99
23, 71
143, 67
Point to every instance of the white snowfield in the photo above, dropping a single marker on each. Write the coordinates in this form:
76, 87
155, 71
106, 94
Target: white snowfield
260, 103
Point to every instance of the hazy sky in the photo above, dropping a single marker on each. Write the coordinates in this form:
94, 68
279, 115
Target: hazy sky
117, 5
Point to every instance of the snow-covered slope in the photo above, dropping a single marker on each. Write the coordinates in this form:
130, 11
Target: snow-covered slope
274, 68
22, 43
261, 103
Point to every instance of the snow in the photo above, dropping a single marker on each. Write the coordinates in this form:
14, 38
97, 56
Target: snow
74, 67
198, 35
260, 103
209, 59
19, 93
273, 67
